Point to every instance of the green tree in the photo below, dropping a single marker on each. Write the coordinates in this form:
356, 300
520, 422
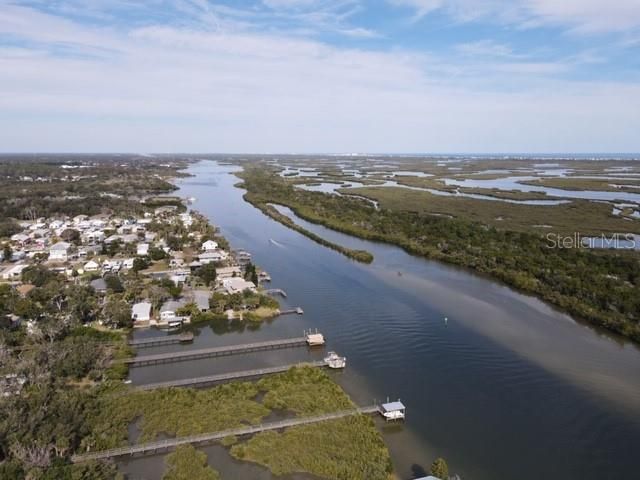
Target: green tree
71, 235
187, 463
207, 273
117, 313
114, 283
440, 469
6, 252
250, 273
140, 263
157, 254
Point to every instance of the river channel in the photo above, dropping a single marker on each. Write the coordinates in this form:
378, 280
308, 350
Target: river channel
506, 388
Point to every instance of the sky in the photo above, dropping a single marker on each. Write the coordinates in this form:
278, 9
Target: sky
320, 76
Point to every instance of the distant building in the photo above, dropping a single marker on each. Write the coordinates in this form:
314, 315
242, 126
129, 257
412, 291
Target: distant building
13, 273
99, 285
209, 246
59, 252
91, 266
143, 249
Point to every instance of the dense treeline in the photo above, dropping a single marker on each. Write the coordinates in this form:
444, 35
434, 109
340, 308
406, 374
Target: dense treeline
601, 286
29, 190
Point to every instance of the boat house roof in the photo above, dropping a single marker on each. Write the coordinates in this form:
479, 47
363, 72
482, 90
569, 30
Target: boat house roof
393, 406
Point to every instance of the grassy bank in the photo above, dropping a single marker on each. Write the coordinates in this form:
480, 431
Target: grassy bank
494, 238
333, 450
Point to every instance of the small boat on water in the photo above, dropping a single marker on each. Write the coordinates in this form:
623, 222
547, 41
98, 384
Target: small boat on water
333, 360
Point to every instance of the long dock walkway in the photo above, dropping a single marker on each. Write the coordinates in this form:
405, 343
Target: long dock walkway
153, 447
211, 379
156, 341
216, 351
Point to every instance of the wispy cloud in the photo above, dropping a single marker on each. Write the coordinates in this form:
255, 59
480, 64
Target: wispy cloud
584, 16
206, 78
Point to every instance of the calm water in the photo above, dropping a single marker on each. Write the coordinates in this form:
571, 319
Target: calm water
508, 388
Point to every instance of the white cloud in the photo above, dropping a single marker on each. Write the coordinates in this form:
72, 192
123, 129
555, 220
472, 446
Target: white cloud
164, 87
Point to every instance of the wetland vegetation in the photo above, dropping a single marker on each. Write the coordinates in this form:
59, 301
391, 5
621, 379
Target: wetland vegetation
499, 239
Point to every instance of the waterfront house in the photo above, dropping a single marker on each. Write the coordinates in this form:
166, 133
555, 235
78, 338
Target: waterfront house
201, 299
168, 312
141, 312
213, 256
237, 285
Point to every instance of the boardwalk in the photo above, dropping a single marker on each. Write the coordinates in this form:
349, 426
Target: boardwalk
156, 341
216, 351
211, 379
153, 447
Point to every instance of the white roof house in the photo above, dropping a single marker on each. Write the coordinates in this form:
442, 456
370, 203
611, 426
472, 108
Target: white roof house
141, 312
143, 249
237, 285
127, 264
59, 251
209, 245
20, 238
13, 273
91, 266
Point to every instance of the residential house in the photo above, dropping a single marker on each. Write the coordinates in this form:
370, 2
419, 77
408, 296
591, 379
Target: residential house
180, 276
127, 264
91, 266
213, 256
201, 299
209, 246
14, 273
141, 312
142, 249
99, 285
59, 252
237, 285
228, 272
20, 238
168, 311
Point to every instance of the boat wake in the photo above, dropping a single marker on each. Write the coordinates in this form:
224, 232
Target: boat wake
277, 244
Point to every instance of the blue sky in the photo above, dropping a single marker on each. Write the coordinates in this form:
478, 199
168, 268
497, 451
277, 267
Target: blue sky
320, 75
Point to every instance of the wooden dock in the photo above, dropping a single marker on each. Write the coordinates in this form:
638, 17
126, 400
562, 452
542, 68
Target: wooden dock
276, 291
162, 445
157, 341
215, 352
223, 377
297, 310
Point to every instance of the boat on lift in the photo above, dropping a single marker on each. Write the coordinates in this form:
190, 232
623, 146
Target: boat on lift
333, 360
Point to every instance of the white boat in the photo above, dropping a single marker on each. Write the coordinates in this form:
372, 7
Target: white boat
334, 360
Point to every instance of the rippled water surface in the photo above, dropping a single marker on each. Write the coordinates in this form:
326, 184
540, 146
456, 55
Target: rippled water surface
507, 388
